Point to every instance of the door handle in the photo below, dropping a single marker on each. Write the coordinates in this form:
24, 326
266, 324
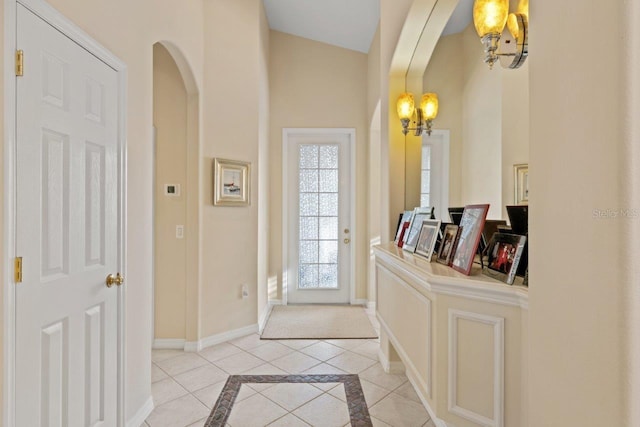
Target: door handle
114, 280
347, 240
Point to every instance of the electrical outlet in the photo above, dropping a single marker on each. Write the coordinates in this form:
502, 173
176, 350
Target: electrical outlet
245, 292
179, 231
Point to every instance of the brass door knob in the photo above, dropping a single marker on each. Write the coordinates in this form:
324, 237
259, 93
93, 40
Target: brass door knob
346, 231
347, 240
114, 280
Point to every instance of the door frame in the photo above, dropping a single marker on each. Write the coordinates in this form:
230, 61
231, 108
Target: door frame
287, 133
73, 32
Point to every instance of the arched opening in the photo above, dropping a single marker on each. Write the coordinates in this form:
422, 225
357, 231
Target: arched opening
176, 199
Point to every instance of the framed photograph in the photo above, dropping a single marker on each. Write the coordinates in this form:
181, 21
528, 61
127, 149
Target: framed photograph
472, 223
411, 236
405, 218
403, 231
521, 180
231, 183
447, 246
427, 238
503, 256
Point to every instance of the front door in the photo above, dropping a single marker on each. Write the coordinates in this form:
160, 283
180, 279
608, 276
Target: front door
318, 221
67, 223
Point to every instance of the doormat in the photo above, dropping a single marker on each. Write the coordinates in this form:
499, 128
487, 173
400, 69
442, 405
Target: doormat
318, 322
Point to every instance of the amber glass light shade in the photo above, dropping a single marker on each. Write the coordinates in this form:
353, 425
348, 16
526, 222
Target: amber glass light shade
429, 106
512, 24
490, 16
512, 20
406, 106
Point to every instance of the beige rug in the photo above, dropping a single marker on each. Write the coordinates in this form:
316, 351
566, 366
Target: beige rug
318, 322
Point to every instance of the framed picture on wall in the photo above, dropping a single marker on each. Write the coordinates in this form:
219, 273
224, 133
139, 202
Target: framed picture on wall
231, 183
521, 181
472, 223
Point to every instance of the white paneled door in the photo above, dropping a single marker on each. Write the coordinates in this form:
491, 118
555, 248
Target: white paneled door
318, 217
66, 232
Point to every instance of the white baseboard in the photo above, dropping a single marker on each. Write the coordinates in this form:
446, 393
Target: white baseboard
220, 338
141, 414
361, 301
371, 305
395, 367
163, 343
437, 421
275, 302
266, 312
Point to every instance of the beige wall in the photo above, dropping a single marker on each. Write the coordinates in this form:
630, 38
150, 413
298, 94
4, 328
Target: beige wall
263, 167
170, 121
487, 114
232, 109
582, 293
315, 85
445, 76
482, 132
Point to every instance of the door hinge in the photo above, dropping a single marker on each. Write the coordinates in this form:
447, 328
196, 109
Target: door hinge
19, 63
18, 270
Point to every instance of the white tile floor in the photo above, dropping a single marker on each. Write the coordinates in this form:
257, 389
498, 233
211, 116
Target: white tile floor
186, 385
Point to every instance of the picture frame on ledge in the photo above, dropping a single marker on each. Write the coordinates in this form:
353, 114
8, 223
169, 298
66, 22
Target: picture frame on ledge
503, 256
427, 238
405, 218
412, 234
447, 246
231, 182
472, 223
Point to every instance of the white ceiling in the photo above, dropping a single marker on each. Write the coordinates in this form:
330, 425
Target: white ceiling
345, 23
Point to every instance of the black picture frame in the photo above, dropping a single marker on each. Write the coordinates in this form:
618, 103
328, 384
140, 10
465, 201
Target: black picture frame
447, 247
503, 256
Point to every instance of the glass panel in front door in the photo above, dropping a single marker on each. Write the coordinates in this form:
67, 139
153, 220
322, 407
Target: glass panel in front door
318, 238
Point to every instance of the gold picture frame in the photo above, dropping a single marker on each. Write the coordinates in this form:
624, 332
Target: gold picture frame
521, 183
231, 183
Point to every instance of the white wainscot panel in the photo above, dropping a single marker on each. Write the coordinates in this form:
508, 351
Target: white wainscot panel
476, 367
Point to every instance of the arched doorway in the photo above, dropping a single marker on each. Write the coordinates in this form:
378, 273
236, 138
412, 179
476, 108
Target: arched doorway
176, 199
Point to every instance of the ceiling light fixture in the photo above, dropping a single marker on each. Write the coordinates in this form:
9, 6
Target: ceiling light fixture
490, 18
422, 116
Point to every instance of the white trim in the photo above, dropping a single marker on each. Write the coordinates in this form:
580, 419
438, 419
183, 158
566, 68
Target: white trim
440, 179
432, 414
168, 343
488, 290
410, 367
54, 18
266, 312
275, 302
498, 368
351, 133
371, 305
9, 328
360, 301
211, 340
394, 368
141, 414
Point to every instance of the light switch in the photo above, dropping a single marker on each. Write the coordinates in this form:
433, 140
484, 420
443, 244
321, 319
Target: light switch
179, 231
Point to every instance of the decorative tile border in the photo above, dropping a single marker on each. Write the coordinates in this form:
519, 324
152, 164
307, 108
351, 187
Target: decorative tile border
358, 411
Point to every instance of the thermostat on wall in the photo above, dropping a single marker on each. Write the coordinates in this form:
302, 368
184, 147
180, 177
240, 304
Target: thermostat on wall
172, 190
